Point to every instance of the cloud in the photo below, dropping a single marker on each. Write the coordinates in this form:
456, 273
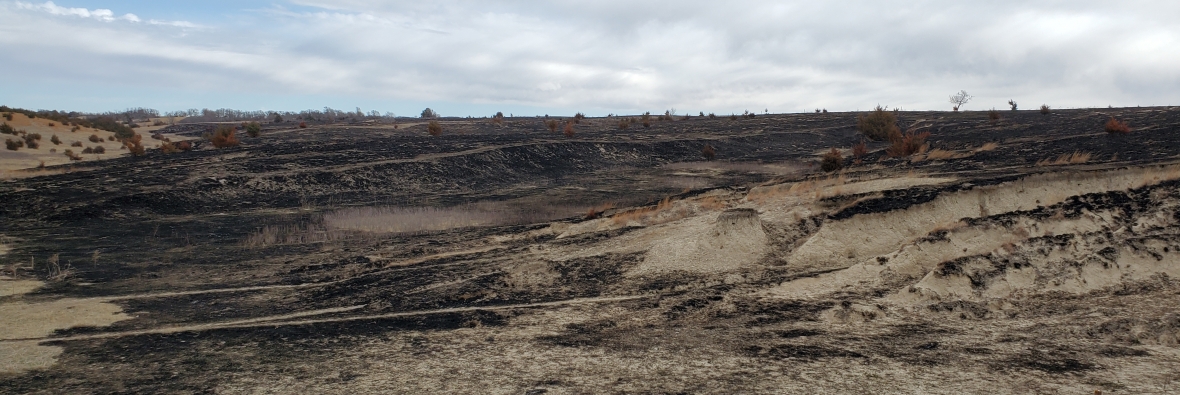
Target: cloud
623, 56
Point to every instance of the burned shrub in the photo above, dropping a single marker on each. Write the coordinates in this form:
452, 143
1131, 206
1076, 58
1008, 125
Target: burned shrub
551, 125
906, 145
859, 151
135, 145
434, 128
624, 124
832, 161
1115, 126
877, 125
569, 129
993, 116
1044, 109
709, 152
223, 137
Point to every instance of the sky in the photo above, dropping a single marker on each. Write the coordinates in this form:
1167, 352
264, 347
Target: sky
468, 57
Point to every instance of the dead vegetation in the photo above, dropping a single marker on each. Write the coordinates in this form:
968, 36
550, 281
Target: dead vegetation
832, 161
1077, 157
1115, 126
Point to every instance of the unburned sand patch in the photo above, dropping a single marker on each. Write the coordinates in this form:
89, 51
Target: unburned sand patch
10, 286
21, 320
735, 239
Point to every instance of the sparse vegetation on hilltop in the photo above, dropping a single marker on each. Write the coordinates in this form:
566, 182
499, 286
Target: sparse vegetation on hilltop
878, 125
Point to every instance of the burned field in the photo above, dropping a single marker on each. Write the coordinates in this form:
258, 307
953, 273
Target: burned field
1036, 253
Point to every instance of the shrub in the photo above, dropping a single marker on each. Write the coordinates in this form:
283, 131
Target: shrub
31, 140
94, 138
55, 140
100, 150
51, 124
135, 144
733, 117
157, 136
278, 118
859, 151
428, 113
168, 148
569, 128
993, 116
72, 155
223, 137
184, 146
1012, 103
646, 119
551, 125
253, 129
75, 129
709, 152
13, 145
624, 124
8, 116
76, 144
906, 145
5, 128
832, 161
498, 119
88, 150
158, 123
1044, 109
303, 125
110, 138
109, 124
1115, 126
579, 117
878, 125
712, 116
434, 128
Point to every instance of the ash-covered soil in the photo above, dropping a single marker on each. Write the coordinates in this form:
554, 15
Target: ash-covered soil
613, 261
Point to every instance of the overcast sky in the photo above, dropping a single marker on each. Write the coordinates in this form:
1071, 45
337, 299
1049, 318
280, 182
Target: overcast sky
598, 57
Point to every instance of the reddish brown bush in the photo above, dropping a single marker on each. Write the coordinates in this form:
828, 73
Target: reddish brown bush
569, 129
168, 148
135, 145
434, 128
709, 152
859, 151
993, 116
905, 145
1115, 126
624, 124
551, 125
303, 125
184, 146
224, 137
832, 160
94, 138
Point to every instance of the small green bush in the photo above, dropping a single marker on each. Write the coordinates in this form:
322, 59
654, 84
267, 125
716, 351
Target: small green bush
253, 129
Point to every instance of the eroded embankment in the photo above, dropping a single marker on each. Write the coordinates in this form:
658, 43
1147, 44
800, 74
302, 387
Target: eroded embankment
972, 252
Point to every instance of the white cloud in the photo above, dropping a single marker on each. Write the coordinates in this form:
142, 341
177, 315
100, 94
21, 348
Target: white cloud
619, 56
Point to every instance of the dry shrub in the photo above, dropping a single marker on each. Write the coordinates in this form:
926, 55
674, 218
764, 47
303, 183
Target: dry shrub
1044, 109
733, 117
878, 125
993, 116
51, 124
55, 140
157, 136
31, 140
5, 128
569, 129
70, 154
184, 146
579, 117
303, 125
597, 211
168, 147
906, 145
498, 119
624, 124
552, 125
859, 151
100, 150
1115, 126
832, 161
135, 145
88, 150
94, 138
75, 129
1077, 157
941, 154
224, 137
709, 152
111, 138
8, 116
987, 147
13, 145
434, 128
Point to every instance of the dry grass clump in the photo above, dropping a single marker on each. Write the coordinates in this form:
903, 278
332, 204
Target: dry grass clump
498, 119
70, 154
624, 124
1115, 126
709, 152
13, 145
1044, 109
55, 140
832, 161
813, 188
552, 125
224, 137
941, 154
270, 235
1077, 157
646, 215
95, 139
878, 125
908, 144
994, 116
987, 147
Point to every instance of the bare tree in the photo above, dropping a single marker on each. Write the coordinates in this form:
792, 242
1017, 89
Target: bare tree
1013, 104
959, 99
